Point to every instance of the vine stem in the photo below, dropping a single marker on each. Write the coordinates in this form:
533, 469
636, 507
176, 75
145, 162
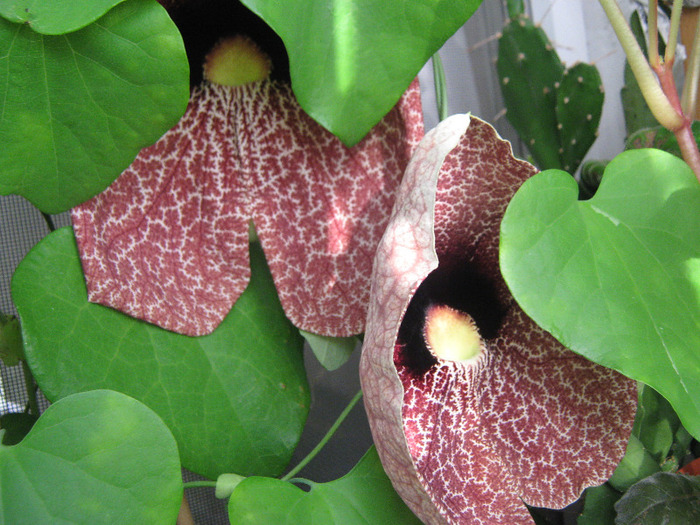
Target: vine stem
195, 484
674, 30
689, 99
304, 481
653, 26
311, 455
664, 71
689, 148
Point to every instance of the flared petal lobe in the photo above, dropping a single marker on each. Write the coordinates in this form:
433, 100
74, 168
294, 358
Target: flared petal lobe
529, 421
168, 241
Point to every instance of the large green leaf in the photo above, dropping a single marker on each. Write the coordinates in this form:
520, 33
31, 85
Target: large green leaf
75, 109
350, 60
616, 278
662, 498
52, 17
363, 496
236, 400
95, 457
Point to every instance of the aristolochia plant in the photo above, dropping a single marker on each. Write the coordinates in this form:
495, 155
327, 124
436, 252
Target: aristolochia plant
468, 432
255, 220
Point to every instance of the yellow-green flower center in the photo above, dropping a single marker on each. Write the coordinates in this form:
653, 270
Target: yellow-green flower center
451, 335
236, 61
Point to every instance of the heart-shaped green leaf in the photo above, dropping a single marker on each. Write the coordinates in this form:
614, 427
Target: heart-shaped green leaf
662, 498
54, 18
75, 109
363, 496
350, 60
615, 278
95, 457
236, 400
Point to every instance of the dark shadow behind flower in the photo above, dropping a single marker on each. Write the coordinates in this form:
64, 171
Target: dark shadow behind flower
468, 441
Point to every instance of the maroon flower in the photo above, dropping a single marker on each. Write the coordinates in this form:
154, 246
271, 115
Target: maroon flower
517, 418
167, 242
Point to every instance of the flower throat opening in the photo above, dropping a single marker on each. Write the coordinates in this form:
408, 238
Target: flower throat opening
460, 297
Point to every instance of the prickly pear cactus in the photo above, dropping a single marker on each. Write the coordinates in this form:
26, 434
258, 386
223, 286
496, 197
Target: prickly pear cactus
515, 7
579, 105
555, 111
529, 69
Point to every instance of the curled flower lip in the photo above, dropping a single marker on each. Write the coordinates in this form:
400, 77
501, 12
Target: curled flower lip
168, 241
529, 421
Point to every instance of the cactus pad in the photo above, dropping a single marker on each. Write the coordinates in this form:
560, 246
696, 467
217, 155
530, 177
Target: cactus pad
579, 106
555, 111
529, 69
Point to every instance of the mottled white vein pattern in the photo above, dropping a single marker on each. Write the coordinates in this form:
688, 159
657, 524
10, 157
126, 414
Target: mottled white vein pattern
531, 421
167, 242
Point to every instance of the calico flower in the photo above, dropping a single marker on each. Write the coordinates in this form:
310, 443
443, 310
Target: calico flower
474, 409
167, 242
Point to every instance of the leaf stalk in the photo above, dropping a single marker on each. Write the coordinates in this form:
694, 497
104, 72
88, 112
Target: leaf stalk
653, 26
689, 98
670, 54
440, 86
655, 98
